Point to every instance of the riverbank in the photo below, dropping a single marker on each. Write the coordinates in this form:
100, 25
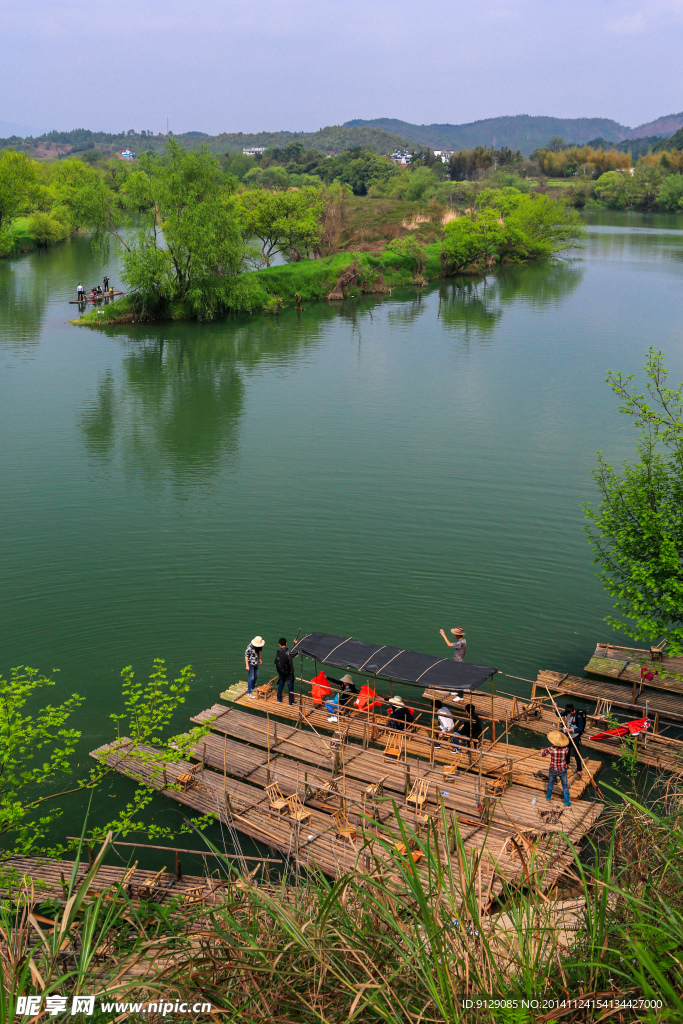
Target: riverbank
343, 275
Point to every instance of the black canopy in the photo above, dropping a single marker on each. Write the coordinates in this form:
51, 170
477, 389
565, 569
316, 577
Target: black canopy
393, 662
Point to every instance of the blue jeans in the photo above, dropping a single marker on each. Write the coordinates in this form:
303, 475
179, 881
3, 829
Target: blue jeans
289, 683
253, 676
332, 707
562, 776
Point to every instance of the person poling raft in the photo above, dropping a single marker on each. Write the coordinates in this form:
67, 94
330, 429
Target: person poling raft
557, 751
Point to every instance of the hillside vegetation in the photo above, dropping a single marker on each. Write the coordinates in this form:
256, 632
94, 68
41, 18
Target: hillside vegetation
521, 132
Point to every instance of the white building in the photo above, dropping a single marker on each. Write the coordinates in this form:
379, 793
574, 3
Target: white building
443, 154
253, 151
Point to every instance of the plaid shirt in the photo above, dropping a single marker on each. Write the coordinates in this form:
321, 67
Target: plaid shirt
558, 757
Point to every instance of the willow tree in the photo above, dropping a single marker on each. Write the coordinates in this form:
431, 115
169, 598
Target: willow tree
637, 527
188, 243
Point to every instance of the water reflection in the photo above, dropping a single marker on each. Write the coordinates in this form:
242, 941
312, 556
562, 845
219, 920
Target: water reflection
475, 305
176, 409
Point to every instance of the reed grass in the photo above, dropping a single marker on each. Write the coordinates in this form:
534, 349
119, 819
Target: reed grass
404, 943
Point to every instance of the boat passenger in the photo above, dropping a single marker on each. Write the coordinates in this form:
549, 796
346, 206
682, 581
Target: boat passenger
574, 726
80, 295
365, 701
320, 688
333, 708
459, 645
252, 660
105, 282
557, 751
398, 714
446, 723
470, 729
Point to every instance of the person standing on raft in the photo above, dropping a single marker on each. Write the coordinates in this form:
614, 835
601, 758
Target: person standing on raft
558, 750
459, 645
252, 660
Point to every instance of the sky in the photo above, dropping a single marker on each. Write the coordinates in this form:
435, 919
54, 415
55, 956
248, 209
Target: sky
298, 65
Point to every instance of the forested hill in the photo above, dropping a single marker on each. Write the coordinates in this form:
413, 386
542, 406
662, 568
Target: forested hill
520, 132
333, 139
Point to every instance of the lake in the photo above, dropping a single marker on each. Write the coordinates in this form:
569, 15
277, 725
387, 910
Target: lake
379, 468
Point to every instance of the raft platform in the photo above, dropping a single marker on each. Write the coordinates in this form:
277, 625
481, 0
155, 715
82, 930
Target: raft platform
315, 843
624, 664
497, 757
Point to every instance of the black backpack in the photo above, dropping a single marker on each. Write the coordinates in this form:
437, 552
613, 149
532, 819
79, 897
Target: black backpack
580, 721
283, 663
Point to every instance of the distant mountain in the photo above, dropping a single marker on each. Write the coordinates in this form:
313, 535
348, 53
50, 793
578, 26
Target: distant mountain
520, 132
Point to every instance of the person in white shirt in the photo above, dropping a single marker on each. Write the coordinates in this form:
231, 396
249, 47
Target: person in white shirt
446, 722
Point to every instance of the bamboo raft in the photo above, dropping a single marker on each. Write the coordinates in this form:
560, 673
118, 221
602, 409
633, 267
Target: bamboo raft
315, 842
256, 749
495, 758
47, 879
664, 706
624, 664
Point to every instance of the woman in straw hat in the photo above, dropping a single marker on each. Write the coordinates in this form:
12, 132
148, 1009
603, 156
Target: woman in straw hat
558, 750
252, 660
459, 645
398, 715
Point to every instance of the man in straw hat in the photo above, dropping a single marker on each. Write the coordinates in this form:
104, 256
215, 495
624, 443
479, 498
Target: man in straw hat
558, 750
252, 660
459, 645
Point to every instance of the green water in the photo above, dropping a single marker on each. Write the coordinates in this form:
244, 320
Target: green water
377, 468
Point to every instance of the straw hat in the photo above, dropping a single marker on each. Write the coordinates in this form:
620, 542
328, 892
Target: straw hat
458, 631
258, 641
346, 679
557, 739
398, 701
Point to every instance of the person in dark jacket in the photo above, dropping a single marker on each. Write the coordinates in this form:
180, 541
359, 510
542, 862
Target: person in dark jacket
398, 715
285, 671
470, 728
349, 691
574, 725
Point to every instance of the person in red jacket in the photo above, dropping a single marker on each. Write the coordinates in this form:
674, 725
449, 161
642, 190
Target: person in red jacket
365, 701
320, 688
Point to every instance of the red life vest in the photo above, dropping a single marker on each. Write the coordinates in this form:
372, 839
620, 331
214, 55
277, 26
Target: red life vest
320, 688
364, 701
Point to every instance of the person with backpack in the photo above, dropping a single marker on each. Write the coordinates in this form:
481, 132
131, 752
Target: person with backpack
574, 726
285, 671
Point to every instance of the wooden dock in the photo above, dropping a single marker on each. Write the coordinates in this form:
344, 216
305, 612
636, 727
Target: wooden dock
496, 757
624, 664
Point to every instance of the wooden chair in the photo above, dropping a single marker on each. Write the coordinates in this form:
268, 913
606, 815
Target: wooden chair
601, 715
276, 800
657, 650
264, 692
343, 827
375, 789
146, 888
497, 786
415, 855
450, 769
189, 777
395, 746
296, 809
418, 794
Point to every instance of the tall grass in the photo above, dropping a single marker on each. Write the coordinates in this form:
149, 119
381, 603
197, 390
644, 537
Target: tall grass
402, 943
